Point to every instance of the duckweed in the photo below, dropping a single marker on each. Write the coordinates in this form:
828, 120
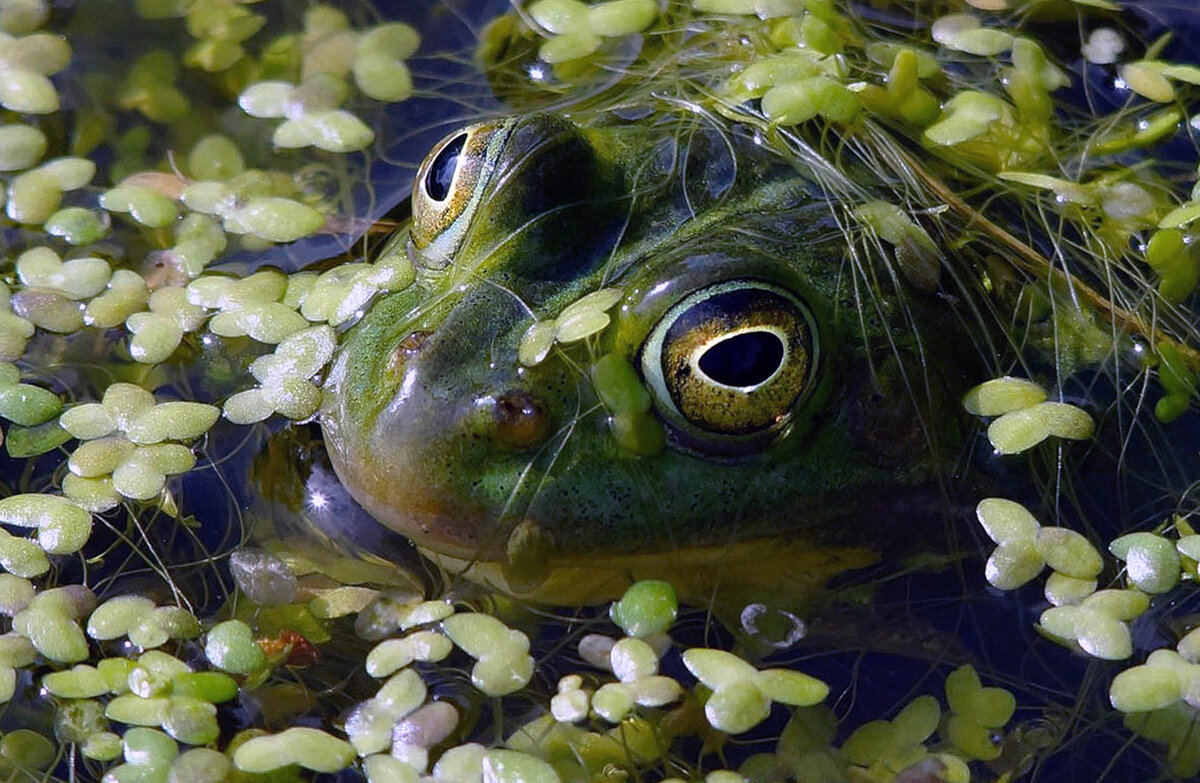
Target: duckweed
1151, 561
391, 655
21, 146
975, 712
230, 647
503, 664
648, 607
26, 404
742, 695
577, 29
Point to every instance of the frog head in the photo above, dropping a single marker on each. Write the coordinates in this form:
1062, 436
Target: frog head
640, 351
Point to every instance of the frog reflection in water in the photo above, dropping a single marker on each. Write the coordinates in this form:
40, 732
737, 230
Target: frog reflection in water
773, 425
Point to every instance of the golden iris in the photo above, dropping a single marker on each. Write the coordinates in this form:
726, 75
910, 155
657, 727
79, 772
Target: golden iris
732, 359
448, 189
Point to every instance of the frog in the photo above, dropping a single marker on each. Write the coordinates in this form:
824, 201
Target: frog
770, 429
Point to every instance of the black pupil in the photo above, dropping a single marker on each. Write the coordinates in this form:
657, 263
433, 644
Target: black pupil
746, 359
441, 171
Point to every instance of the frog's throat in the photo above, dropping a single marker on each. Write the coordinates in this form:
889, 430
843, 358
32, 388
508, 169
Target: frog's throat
791, 571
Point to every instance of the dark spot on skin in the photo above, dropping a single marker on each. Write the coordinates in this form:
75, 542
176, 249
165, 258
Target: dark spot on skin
521, 420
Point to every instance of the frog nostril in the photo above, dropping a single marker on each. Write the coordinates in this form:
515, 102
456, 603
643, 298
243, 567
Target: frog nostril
407, 348
521, 420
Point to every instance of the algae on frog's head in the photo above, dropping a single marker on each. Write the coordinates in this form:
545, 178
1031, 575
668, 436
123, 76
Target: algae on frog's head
723, 279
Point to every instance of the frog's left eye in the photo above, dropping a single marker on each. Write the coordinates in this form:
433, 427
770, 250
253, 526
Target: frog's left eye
449, 187
731, 361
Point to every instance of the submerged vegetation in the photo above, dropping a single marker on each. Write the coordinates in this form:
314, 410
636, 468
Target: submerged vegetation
200, 197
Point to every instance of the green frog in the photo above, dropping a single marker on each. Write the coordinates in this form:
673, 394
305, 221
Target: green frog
749, 413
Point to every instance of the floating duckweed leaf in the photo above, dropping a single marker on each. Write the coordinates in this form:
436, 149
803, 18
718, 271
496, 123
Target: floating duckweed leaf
78, 682
1097, 633
621, 17
370, 724
21, 146
1013, 564
967, 115
1147, 82
16, 651
1068, 552
27, 405
143, 204
1006, 521
571, 46
212, 687
1180, 216
99, 457
1151, 561
32, 197
764, 9
392, 655
1003, 395
1189, 546
200, 765
613, 701
332, 131
78, 226
648, 607
1102, 636
1144, 688
279, 219
579, 324
49, 310
55, 635
737, 708
230, 647
632, 659
15, 594
1063, 590
126, 294
27, 92
571, 703
215, 157
62, 526
536, 343
790, 687
116, 616
379, 68
1124, 605
559, 16
1021, 430
717, 668
509, 766
618, 384
78, 278
963, 33
1148, 130
191, 721
799, 101
502, 653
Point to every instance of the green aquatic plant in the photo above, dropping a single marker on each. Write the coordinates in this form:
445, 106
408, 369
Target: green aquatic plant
901, 203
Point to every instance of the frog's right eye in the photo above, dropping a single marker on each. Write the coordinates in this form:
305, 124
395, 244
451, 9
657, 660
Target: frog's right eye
449, 188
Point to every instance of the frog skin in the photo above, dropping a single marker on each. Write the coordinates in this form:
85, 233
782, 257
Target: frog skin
437, 428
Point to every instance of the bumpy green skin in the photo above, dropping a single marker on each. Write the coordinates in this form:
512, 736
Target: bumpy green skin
660, 214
